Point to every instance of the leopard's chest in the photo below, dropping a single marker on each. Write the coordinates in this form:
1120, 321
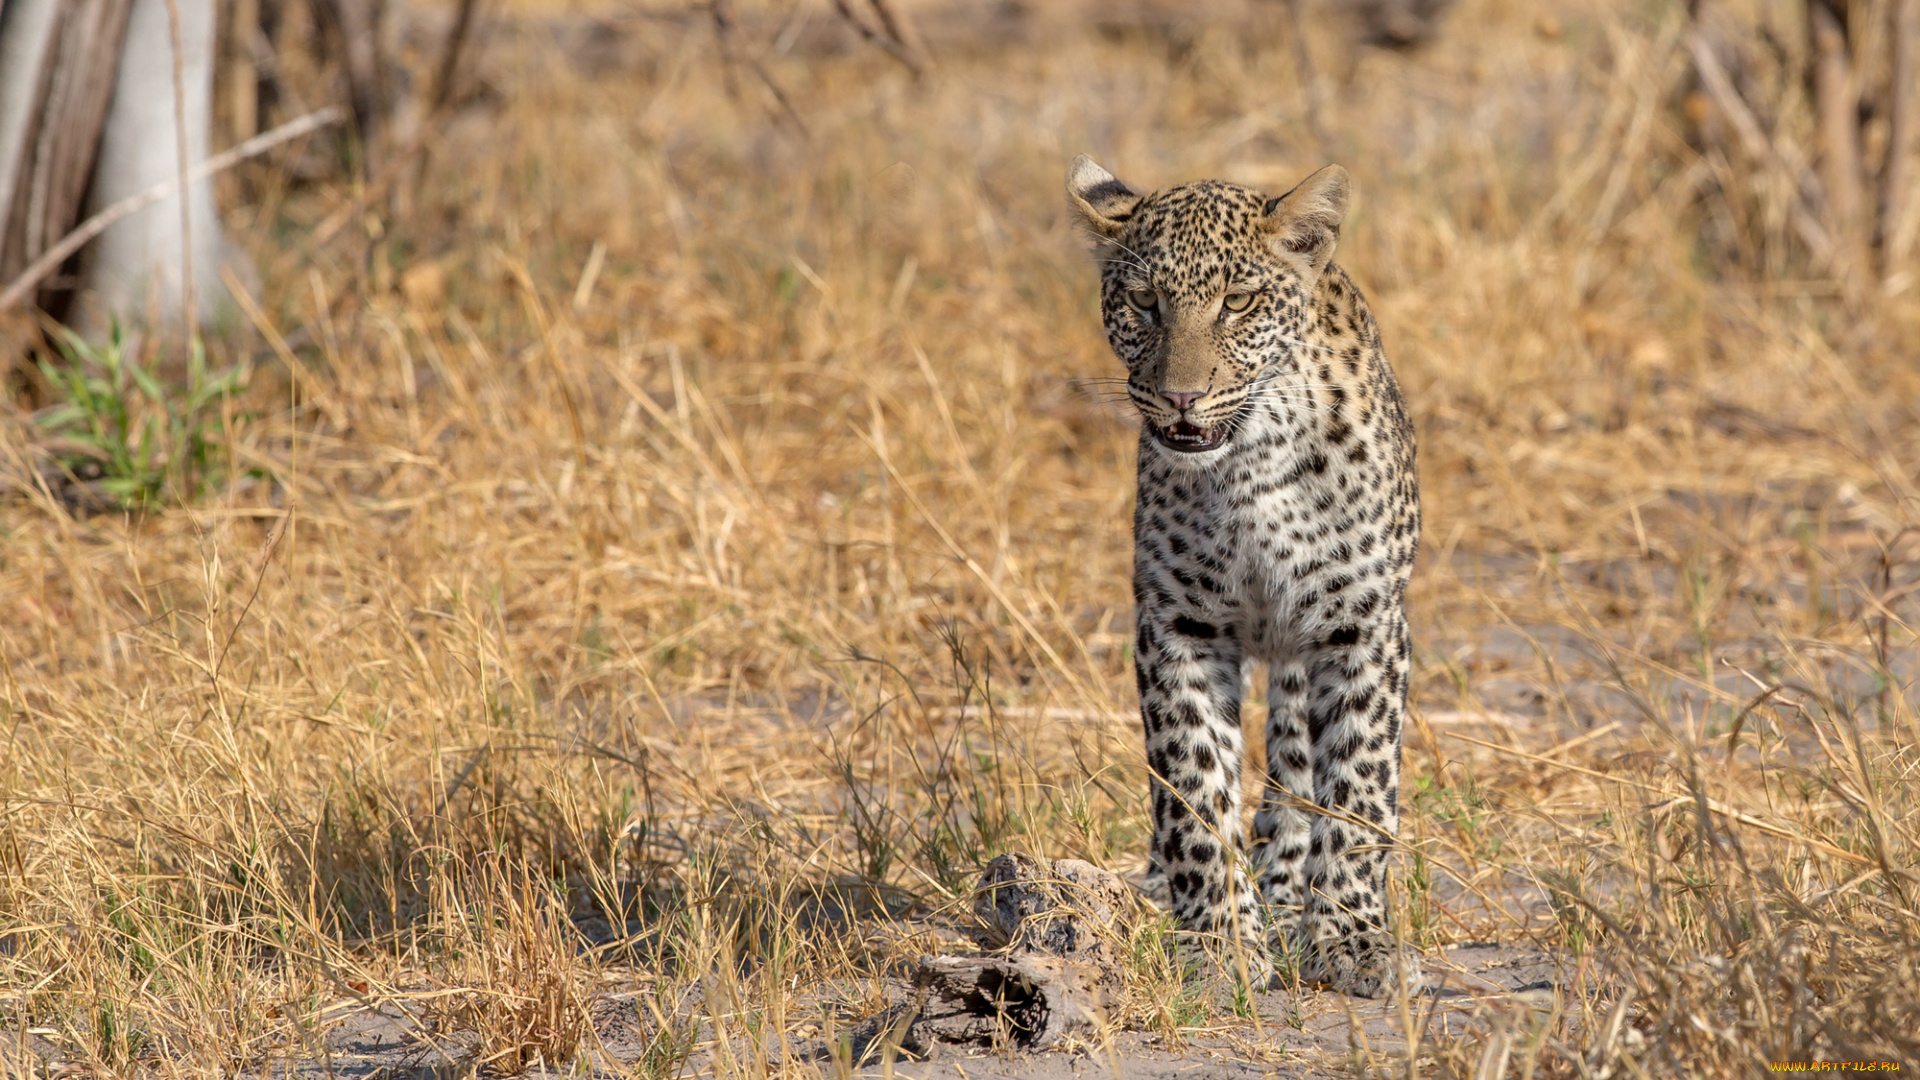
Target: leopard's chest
1280, 539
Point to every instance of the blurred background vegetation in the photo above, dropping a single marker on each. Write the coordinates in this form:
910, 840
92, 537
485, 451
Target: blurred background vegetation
643, 538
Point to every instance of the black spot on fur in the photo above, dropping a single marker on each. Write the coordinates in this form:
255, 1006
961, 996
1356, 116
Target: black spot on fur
1194, 628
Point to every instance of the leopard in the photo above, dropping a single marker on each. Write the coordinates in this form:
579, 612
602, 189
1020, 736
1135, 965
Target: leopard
1277, 521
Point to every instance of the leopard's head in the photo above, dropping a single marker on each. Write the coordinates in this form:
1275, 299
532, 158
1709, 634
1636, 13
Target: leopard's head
1206, 290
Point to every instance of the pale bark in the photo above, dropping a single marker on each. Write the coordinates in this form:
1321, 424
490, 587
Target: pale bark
28, 32
1837, 114
57, 65
1898, 205
134, 271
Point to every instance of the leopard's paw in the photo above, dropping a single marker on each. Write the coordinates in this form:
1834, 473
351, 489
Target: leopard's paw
1365, 963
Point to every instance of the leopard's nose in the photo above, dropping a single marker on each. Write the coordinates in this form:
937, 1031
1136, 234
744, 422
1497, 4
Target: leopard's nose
1183, 401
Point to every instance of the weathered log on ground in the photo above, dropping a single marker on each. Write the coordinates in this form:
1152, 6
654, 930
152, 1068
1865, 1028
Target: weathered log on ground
1067, 908
1055, 929
1021, 1002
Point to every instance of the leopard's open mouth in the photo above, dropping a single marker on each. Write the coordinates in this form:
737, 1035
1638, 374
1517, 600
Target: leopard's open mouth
1188, 439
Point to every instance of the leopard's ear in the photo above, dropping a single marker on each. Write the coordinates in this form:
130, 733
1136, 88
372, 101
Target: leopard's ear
1102, 201
1304, 223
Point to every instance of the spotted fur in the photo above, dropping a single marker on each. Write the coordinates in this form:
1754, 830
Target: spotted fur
1277, 519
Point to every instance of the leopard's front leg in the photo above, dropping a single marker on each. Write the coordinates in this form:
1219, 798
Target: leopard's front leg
1189, 672
1355, 715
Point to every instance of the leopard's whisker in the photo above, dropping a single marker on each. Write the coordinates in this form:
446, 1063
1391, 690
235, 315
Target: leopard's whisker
1296, 342
1139, 259
1303, 401
1136, 260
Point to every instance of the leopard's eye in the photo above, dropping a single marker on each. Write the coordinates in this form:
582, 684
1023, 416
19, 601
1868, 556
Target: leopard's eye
1146, 300
1236, 301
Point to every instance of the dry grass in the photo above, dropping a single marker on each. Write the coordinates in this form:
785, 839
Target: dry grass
702, 628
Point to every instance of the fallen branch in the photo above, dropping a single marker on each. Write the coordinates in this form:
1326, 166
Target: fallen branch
450, 55
50, 259
722, 11
1784, 157
1309, 79
1836, 106
894, 36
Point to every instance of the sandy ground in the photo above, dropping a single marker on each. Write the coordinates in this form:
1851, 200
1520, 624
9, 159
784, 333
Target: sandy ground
1297, 1035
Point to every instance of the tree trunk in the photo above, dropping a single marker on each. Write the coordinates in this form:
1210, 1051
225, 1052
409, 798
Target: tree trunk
1897, 177
357, 26
57, 75
1837, 112
135, 271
